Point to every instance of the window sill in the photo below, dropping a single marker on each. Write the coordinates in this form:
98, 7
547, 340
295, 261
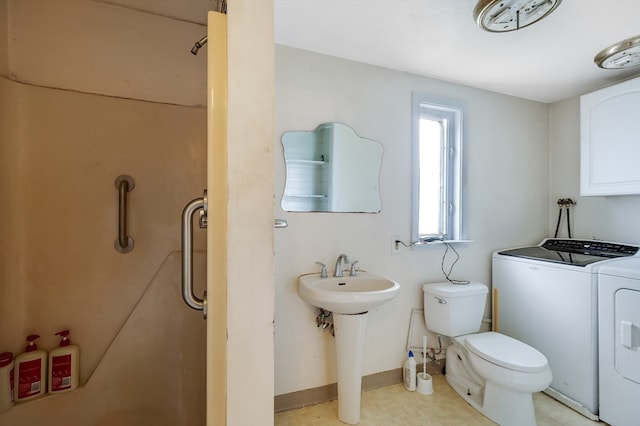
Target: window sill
438, 244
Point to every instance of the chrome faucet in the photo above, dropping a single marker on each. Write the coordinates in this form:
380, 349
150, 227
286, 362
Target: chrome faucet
338, 270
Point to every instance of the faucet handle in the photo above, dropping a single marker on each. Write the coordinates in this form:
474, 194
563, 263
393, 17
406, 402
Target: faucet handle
353, 271
323, 273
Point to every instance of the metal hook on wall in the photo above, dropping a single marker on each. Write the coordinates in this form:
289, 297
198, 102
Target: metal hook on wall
124, 184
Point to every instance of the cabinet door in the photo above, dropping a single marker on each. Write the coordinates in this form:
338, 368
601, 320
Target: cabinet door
610, 140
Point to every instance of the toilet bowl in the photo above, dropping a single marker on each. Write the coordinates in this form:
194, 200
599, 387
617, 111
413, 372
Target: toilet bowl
494, 373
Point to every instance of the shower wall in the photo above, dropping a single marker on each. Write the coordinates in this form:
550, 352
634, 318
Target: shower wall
12, 263
96, 47
61, 148
61, 152
4, 65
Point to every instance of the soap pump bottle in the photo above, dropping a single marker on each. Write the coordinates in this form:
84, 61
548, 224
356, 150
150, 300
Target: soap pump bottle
64, 362
6, 381
31, 369
410, 373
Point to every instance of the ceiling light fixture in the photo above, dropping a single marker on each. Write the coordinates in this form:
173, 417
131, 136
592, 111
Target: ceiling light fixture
625, 54
509, 15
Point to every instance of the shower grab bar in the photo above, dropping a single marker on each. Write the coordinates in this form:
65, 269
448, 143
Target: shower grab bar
191, 299
124, 184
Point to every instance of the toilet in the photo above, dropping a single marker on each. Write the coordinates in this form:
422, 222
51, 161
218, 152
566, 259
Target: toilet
494, 373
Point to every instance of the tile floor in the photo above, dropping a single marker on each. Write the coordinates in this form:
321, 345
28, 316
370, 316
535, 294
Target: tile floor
393, 405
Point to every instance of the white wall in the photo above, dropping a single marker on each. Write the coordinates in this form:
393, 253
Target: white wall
609, 218
506, 181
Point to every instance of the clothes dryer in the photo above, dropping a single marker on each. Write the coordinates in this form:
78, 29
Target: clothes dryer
619, 341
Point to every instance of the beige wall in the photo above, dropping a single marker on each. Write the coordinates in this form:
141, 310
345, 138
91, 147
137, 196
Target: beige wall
142, 379
4, 46
250, 233
98, 47
142, 349
12, 221
62, 151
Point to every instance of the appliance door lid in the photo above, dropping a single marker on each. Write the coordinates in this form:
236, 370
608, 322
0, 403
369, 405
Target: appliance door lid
506, 352
542, 254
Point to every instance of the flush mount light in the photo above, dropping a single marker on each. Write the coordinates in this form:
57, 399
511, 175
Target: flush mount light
625, 54
508, 15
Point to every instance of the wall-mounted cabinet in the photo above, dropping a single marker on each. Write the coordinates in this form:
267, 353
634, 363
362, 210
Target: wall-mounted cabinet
610, 140
331, 169
307, 185
307, 157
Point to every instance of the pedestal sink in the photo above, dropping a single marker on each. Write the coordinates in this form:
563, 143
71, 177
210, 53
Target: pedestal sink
349, 298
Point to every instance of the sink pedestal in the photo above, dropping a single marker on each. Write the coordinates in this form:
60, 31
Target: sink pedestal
350, 331
349, 298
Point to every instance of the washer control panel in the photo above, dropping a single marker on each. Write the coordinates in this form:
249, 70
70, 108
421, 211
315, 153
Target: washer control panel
590, 247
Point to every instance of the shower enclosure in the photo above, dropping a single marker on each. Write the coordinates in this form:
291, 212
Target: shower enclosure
64, 142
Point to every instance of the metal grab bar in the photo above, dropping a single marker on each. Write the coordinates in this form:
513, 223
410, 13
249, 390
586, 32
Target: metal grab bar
187, 253
124, 184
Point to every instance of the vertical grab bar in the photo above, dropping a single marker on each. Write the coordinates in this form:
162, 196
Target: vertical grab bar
191, 299
124, 184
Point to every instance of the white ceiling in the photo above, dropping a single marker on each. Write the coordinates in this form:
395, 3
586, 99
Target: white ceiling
549, 61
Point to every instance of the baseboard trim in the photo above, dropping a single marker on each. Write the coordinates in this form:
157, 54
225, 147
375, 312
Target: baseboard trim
304, 398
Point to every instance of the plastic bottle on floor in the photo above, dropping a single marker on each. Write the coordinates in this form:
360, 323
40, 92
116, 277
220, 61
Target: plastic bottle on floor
409, 372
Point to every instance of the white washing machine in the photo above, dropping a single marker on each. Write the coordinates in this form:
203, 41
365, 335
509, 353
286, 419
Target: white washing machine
547, 297
619, 341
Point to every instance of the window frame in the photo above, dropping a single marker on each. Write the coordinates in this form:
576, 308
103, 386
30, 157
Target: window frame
451, 112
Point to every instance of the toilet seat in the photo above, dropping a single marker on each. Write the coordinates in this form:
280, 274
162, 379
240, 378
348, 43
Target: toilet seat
506, 352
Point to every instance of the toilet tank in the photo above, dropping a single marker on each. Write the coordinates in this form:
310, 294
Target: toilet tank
454, 309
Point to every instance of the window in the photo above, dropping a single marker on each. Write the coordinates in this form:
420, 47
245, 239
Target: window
437, 168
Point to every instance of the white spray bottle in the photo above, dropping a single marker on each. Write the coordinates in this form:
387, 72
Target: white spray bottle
410, 373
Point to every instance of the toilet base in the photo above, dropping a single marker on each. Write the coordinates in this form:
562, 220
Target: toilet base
504, 406
507, 407
471, 389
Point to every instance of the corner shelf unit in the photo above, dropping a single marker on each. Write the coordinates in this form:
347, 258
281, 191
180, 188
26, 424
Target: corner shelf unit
308, 183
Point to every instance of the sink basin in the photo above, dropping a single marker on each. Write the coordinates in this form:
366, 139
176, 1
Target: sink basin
348, 294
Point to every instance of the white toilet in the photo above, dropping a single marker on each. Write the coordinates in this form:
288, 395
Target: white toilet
494, 373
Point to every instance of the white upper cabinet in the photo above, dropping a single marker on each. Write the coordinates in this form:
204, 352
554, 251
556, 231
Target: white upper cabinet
610, 140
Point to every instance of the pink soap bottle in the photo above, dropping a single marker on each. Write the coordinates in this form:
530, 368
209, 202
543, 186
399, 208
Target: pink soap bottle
64, 363
31, 371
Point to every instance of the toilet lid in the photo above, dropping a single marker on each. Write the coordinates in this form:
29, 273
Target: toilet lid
506, 352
